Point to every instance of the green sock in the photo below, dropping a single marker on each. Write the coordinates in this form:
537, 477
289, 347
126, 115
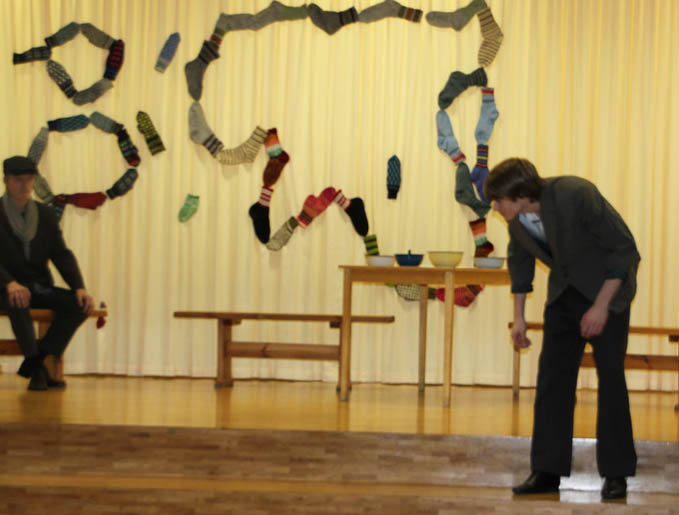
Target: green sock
189, 208
371, 248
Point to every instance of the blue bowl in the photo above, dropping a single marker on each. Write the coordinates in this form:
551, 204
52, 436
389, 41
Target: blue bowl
409, 259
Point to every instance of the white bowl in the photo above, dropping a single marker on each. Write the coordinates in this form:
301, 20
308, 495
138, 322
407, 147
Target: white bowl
379, 260
444, 258
488, 262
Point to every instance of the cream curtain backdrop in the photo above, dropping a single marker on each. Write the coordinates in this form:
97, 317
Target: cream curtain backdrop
583, 87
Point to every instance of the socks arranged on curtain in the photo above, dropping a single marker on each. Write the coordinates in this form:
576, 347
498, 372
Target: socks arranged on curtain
86, 200
189, 208
245, 152
480, 171
97, 37
200, 132
124, 184
276, 11
464, 191
40, 53
271, 143
355, 209
63, 35
389, 9
371, 247
458, 82
283, 235
69, 123
457, 19
259, 212
93, 92
483, 246
331, 21
393, 177
446, 138
103, 122
38, 145
219, 30
167, 52
61, 77
274, 168
314, 206
145, 126
492, 37
195, 69
114, 61
42, 189
489, 113
129, 150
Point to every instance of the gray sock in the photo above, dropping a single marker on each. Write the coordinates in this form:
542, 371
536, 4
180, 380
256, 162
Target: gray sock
458, 82
104, 123
389, 9
457, 19
38, 145
42, 189
96, 36
63, 35
331, 21
195, 69
200, 132
464, 191
283, 235
61, 77
93, 92
276, 11
245, 152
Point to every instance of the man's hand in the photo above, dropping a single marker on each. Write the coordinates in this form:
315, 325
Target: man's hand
19, 296
593, 321
85, 300
519, 337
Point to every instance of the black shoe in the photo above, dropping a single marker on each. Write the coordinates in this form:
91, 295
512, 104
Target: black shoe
538, 483
614, 488
53, 383
38, 380
25, 368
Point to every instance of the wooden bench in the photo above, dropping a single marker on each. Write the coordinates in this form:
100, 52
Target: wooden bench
632, 361
228, 349
44, 317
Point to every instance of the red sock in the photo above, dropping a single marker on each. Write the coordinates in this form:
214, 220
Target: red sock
274, 168
483, 246
463, 295
86, 200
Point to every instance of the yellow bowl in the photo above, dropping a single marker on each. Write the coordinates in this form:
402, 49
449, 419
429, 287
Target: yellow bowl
445, 258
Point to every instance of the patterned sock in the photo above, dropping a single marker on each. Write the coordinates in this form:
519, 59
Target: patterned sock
200, 132
97, 37
464, 191
38, 145
356, 211
145, 126
93, 92
259, 212
331, 21
68, 124
271, 143
40, 53
393, 177
483, 246
167, 52
42, 189
104, 123
314, 206
371, 248
114, 61
492, 37
245, 152
489, 113
274, 168
124, 184
86, 200
61, 77
195, 69
480, 171
129, 150
63, 35
446, 138
457, 19
389, 9
276, 11
189, 208
220, 29
283, 235
458, 82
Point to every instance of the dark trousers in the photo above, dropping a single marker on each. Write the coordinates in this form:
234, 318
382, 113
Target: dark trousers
562, 349
68, 317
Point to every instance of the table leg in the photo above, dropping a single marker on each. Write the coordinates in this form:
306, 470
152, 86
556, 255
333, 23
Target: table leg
224, 377
345, 350
516, 373
422, 355
448, 337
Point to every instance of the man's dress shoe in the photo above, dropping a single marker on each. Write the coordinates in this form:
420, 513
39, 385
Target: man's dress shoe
614, 488
51, 382
38, 380
538, 483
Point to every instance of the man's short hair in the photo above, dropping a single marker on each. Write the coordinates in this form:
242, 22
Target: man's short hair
18, 165
513, 178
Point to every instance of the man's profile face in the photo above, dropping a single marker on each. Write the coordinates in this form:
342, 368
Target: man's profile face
507, 207
20, 187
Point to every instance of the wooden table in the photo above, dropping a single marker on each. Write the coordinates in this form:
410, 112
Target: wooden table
422, 276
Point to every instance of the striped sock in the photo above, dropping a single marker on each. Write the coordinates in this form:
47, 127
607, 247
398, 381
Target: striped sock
61, 77
129, 150
356, 211
245, 152
483, 246
200, 132
195, 69
68, 124
259, 212
464, 191
480, 171
124, 184
492, 37
220, 29
145, 126
41, 53
283, 235
114, 61
371, 247
271, 143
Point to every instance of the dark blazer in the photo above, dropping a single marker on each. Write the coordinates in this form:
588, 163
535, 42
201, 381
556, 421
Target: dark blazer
48, 245
587, 243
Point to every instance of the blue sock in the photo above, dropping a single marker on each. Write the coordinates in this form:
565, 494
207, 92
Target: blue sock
489, 114
70, 123
167, 52
446, 138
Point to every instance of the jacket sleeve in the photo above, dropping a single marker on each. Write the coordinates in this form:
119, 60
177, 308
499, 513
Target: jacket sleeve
63, 258
5, 277
521, 266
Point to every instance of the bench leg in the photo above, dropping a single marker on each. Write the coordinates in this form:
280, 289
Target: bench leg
59, 364
516, 374
223, 357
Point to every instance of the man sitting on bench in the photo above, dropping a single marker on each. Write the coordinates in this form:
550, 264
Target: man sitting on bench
30, 236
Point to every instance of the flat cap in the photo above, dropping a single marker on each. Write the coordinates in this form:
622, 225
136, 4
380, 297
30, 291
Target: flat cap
18, 165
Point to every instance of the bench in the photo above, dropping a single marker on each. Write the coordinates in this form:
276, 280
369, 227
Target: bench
632, 361
228, 349
44, 317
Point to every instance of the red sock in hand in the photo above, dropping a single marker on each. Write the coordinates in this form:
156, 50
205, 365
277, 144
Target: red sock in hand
86, 200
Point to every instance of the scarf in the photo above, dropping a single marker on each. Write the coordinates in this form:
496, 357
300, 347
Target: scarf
24, 227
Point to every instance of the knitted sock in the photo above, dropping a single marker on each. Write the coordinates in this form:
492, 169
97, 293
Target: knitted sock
409, 292
463, 295
189, 208
195, 69
480, 171
271, 143
58, 205
97, 37
86, 200
40, 53
220, 29
200, 132
458, 82
167, 52
314, 206
42, 189
371, 248
114, 61
489, 113
393, 177
93, 92
245, 152
38, 145
61, 77
464, 191
457, 19
331, 21
259, 212
274, 168
129, 150
492, 37
68, 124
283, 235
356, 211
63, 35
446, 138
145, 126
389, 9
483, 246
104, 123
276, 11
124, 184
